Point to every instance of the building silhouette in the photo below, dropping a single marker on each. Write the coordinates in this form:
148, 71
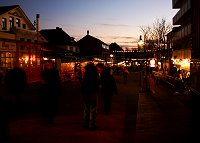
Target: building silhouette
185, 39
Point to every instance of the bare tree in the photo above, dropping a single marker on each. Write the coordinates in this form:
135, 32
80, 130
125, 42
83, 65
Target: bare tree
155, 35
160, 30
148, 37
146, 31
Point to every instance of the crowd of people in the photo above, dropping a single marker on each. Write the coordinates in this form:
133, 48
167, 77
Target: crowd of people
97, 82
13, 86
97, 79
97, 85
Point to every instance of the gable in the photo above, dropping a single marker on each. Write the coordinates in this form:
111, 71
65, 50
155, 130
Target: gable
16, 12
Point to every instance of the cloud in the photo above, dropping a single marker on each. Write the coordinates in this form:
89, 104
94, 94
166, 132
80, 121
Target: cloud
123, 37
113, 25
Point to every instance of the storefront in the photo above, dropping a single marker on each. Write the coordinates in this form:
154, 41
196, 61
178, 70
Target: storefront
181, 60
7, 55
29, 57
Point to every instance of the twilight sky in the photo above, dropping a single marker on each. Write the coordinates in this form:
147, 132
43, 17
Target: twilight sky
109, 20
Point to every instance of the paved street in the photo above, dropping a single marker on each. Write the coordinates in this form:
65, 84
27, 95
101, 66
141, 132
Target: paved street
136, 117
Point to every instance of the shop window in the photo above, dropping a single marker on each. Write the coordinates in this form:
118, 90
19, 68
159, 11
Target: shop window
18, 22
24, 56
4, 23
11, 20
35, 60
7, 60
36, 54
24, 59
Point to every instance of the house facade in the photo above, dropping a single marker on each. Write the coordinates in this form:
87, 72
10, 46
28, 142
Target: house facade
93, 49
20, 43
63, 48
185, 41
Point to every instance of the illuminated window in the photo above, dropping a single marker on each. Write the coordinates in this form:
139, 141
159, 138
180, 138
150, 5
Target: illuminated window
7, 59
4, 22
11, 20
18, 22
24, 56
35, 56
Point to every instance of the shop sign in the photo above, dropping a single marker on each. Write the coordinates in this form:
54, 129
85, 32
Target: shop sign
7, 46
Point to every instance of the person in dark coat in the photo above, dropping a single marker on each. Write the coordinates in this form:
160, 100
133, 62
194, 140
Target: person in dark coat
50, 91
4, 112
90, 86
16, 82
108, 89
12, 89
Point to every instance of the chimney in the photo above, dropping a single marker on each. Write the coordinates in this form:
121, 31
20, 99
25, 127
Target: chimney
58, 28
88, 32
37, 22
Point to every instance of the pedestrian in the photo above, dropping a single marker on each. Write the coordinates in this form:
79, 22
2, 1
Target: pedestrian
50, 92
90, 85
12, 89
15, 83
108, 89
125, 74
79, 74
4, 112
100, 67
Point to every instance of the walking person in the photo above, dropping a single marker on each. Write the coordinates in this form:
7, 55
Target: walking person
90, 85
12, 89
125, 74
4, 112
50, 92
100, 67
15, 83
108, 89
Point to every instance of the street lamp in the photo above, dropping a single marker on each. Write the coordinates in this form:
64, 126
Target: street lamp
145, 80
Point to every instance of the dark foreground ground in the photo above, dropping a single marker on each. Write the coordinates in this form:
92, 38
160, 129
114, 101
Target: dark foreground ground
137, 117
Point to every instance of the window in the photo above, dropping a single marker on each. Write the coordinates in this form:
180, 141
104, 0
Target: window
7, 59
3, 24
18, 22
23, 56
11, 22
35, 56
24, 26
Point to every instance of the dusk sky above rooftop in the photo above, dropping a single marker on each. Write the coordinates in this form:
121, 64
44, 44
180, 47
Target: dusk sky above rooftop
108, 20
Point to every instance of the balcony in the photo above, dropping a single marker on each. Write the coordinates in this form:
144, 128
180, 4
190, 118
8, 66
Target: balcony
177, 3
183, 32
183, 13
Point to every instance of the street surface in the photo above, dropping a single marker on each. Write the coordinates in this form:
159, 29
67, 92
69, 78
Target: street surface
137, 117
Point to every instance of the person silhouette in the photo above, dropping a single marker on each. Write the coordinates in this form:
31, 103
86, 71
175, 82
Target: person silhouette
11, 88
50, 92
108, 89
90, 85
16, 82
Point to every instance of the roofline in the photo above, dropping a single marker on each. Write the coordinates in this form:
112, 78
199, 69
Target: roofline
18, 6
96, 39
